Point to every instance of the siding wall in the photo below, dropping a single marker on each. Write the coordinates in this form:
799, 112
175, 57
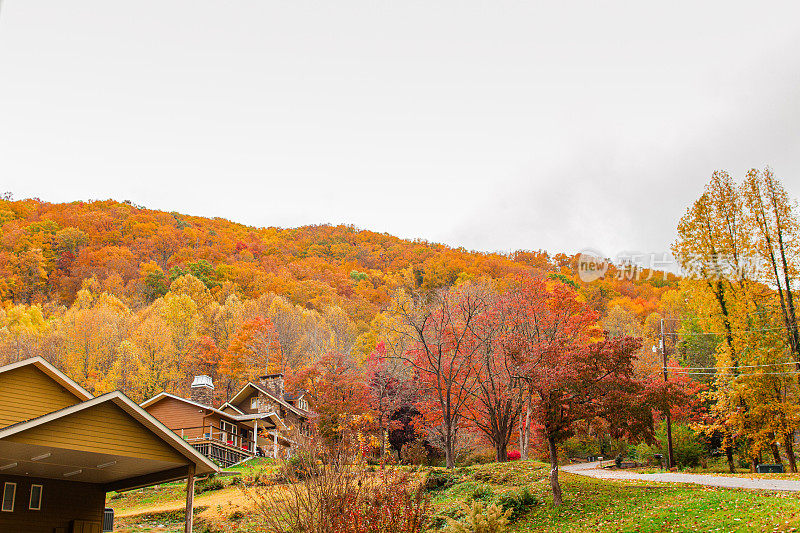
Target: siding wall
27, 393
176, 414
244, 406
104, 428
62, 501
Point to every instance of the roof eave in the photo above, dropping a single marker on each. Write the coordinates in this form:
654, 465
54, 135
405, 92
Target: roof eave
53, 373
134, 410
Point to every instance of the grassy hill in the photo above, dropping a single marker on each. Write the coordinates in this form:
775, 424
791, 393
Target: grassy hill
589, 504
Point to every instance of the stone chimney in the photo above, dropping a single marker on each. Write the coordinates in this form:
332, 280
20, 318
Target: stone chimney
203, 390
274, 384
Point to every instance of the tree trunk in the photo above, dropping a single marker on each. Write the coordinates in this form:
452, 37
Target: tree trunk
755, 460
729, 455
554, 484
448, 451
501, 449
525, 432
383, 438
776, 453
788, 441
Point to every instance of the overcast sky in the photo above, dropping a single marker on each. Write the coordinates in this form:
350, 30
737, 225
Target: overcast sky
491, 125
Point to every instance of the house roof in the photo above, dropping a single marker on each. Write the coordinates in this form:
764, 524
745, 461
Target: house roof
162, 395
294, 396
53, 373
226, 405
272, 416
202, 464
239, 396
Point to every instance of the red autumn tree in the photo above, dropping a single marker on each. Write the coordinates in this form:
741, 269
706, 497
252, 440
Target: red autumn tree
388, 390
573, 372
497, 398
440, 327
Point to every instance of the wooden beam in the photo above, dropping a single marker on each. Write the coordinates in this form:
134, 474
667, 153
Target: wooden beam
148, 479
190, 499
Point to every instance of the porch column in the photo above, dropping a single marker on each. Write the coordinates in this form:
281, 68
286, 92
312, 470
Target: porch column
255, 436
190, 498
275, 450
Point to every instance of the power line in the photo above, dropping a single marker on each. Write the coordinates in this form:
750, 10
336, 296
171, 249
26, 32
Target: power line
787, 373
722, 333
725, 367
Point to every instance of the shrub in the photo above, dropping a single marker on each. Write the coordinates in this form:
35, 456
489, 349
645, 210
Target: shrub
519, 503
513, 455
578, 446
480, 519
261, 479
483, 493
236, 515
414, 453
476, 458
340, 496
439, 479
645, 454
209, 484
299, 467
687, 448
493, 476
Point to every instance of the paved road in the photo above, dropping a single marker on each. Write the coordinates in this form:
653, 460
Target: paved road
594, 470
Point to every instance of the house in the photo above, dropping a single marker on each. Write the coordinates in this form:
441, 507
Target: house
261, 419
61, 450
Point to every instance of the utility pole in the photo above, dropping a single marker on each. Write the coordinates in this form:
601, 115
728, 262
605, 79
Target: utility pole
670, 461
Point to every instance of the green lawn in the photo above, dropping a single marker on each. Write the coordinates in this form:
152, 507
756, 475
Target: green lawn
167, 492
255, 465
589, 504
601, 505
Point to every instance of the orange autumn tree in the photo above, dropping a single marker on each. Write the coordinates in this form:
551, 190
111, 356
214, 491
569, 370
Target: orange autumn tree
337, 394
253, 350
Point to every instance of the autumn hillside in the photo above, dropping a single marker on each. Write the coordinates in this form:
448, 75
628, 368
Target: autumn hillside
332, 281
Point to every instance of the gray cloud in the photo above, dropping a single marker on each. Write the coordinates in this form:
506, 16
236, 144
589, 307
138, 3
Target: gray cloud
494, 126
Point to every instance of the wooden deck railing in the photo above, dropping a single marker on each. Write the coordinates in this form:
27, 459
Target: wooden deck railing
211, 433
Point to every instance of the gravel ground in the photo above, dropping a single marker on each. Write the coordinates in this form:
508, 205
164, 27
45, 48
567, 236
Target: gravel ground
593, 470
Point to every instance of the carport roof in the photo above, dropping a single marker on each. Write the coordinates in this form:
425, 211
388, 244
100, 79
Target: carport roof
117, 471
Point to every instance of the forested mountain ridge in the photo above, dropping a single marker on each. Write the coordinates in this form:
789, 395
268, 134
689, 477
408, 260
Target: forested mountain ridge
112, 290
47, 249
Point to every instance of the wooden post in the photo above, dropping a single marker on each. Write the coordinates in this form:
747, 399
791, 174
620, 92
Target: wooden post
255, 436
275, 450
190, 498
670, 457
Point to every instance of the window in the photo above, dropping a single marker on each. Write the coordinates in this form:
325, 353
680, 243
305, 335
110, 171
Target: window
254, 402
9, 494
35, 503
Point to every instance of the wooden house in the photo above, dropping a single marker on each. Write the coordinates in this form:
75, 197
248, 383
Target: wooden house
61, 450
259, 420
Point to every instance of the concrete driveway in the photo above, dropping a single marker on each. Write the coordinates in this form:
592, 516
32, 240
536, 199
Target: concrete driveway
731, 482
